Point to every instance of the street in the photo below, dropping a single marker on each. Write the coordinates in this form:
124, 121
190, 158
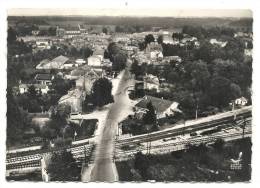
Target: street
104, 169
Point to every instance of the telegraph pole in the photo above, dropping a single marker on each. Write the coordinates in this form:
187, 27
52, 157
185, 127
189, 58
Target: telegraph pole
85, 155
244, 126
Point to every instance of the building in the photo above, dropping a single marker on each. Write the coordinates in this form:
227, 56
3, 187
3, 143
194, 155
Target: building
120, 37
167, 39
248, 52
156, 55
242, 101
70, 65
74, 99
218, 43
40, 88
94, 61
151, 82
80, 61
86, 81
68, 32
44, 64
43, 44
163, 108
56, 63
44, 79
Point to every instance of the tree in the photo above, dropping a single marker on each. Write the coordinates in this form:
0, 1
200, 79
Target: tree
16, 119
200, 75
104, 30
119, 62
235, 91
63, 167
150, 116
219, 144
61, 86
101, 92
160, 39
11, 37
32, 93
178, 36
149, 38
220, 91
85, 52
141, 163
135, 68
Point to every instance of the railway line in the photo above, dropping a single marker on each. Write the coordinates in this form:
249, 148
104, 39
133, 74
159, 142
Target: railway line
17, 161
121, 155
220, 120
80, 150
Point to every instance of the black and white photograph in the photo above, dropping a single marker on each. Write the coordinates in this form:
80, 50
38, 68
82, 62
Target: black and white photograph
129, 95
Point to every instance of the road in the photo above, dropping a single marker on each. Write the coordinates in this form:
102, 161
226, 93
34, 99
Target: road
104, 168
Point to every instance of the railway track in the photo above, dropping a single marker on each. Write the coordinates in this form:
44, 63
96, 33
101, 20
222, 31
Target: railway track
176, 146
220, 122
34, 160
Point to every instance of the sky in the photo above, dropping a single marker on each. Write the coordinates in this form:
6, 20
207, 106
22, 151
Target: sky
126, 11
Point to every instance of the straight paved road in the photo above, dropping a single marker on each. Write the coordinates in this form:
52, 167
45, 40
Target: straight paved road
104, 168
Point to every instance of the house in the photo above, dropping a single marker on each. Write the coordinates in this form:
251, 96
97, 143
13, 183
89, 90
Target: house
86, 81
80, 61
156, 54
44, 64
43, 44
56, 63
40, 88
68, 32
120, 37
151, 82
167, 39
94, 61
70, 65
74, 99
218, 43
176, 59
163, 108
99, 52
77, 72
35, 32
242, 101
248, 52
44, 79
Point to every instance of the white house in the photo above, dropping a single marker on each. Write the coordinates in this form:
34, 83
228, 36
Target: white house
151, 82
219, 43
74, 99
56, 63
80, 61
163, 108
156, 54
23, 88
242, 101
44, 79
94, 60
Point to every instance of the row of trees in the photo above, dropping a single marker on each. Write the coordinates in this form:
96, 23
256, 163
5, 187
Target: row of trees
201, 32
132, 29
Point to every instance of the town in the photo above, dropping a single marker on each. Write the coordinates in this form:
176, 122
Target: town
129, 99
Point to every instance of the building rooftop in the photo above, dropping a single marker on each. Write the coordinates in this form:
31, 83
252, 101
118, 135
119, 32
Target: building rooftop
159, 104
43, 77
